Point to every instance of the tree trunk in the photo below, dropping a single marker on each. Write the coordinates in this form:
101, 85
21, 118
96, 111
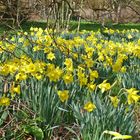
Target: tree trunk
79, 20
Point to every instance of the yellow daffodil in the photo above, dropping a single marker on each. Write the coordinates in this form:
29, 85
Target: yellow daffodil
89, 63
129, 36
117, 135
116, 67
4, 70
114, 100
93, 74
89, 106
21, 39
38, 76
30, 68
15, 89
132, 97
36, 48
122, 137
104, 86
111, 133
123, 69
83, 80
51, 56
101, 57
55, 75
91, 87
63, 95
21, 76
69, 64
4, 101
68, 78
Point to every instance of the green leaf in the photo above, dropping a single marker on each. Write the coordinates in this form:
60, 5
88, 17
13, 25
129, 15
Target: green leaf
3, 117
35, 131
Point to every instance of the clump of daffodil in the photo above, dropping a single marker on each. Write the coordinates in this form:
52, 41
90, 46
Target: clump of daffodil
132, 97
117, 135
63, 95
104, 86
89, 106
53, 73
21, 76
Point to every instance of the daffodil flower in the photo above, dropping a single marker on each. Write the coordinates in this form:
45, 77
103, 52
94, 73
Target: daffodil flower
114, 100
132, 97
117, 135
51, 56
4, 101
122, 137
104, 86
89, 106
63, 95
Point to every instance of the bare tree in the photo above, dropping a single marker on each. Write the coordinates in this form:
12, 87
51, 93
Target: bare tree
16, 11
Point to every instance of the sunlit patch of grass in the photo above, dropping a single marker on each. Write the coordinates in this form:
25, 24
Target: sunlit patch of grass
90, 26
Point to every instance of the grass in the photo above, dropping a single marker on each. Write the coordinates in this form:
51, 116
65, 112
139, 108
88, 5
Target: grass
3, 28
84, 26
